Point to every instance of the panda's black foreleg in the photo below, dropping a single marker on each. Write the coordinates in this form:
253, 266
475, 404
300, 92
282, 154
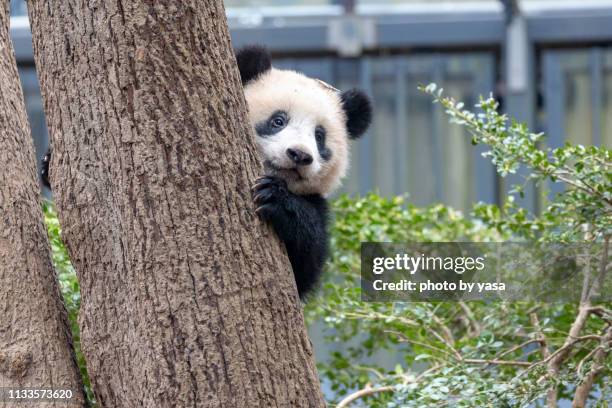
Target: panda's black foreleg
300, 222
44, 172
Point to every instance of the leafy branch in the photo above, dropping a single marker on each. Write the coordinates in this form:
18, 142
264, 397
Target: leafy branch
585, 171
481, 354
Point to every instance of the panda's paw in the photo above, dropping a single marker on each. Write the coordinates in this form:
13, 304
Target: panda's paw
44, 172
269, 194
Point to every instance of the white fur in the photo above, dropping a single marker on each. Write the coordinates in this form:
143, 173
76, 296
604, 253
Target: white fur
308, 103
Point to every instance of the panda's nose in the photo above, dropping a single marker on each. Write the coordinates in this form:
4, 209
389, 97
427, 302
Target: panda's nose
299, 157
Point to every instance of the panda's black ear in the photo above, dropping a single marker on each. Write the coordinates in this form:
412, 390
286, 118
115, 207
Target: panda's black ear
358, 109
253, 60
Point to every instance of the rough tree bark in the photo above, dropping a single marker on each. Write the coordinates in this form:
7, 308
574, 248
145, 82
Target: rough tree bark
187, 299
35, 340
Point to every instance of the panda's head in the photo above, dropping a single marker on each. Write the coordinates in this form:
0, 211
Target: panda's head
303, 125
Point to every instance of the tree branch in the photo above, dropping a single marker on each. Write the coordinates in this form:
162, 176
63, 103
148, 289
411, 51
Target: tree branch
473, 323
551, 394
563, 350
517, 347
602, 312
603, 268
404, 338
497, 362
446, 332
556, 358
583, 390
363, 393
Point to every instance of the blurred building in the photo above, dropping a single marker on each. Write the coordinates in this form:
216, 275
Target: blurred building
548, 61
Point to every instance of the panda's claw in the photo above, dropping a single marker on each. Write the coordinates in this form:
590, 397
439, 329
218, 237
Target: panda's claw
263, 182
261, 197
264, 211
256, 187
259, 184
269, 195
269, 182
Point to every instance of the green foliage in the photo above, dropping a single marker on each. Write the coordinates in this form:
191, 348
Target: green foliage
69, 286
464, 354
586, 173
436, 348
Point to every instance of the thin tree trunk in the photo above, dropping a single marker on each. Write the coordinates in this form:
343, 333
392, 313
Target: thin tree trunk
598, 367
187, 299
35, 340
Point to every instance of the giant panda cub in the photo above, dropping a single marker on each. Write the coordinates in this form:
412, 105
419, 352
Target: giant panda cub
303, 127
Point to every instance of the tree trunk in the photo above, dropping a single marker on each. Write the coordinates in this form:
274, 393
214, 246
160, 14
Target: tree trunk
187, 299
35, 340
598, 367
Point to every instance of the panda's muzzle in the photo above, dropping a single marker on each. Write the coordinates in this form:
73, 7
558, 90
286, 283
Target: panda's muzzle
288, 173
299, 157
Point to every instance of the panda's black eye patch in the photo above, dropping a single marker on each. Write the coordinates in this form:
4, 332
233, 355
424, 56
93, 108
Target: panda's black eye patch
320, 137
274, 124
320, 134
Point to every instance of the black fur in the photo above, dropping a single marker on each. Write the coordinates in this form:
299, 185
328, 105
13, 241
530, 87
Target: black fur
321, 137
300, 222
253, 60
44, 172
358, 111
268, 127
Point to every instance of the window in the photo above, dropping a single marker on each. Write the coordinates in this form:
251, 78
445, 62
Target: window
578, 96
